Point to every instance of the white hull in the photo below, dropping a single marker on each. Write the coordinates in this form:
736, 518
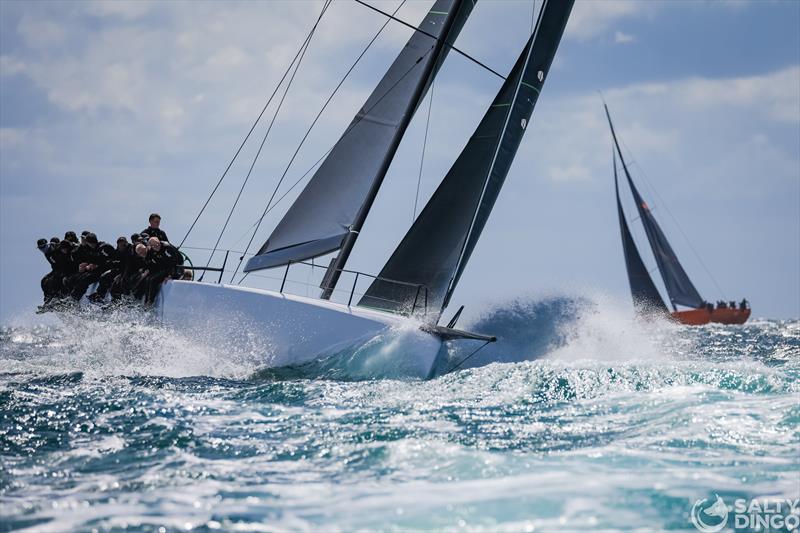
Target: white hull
289, 330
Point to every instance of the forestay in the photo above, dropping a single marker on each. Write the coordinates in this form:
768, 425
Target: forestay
437, 247
326, 210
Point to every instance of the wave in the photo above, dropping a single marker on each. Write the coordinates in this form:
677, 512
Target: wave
561, 328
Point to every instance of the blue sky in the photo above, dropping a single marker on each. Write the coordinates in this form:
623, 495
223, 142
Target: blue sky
111, 110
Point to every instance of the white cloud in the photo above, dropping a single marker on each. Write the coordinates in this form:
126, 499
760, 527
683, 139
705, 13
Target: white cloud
10, 65
227, 57
592, 18
11, 136
623, 38
40, 33
125, 9
777, 93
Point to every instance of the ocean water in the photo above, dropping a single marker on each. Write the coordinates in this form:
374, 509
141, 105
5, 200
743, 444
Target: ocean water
579, 418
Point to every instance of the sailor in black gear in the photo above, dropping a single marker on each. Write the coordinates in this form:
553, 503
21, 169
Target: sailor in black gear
154, 229
133, 263
49, 288
93, 258
55, 285
161, 263
113, 267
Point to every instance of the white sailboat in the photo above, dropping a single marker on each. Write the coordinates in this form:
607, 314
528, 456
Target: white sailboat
403, 305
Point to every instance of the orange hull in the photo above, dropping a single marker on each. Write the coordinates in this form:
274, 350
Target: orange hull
692, 317
730, 316
698, 317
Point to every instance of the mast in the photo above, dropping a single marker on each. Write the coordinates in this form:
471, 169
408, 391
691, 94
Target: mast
680, 289
435, 251
331, 209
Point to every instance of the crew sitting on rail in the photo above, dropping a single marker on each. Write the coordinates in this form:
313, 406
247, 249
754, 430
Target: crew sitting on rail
135, 269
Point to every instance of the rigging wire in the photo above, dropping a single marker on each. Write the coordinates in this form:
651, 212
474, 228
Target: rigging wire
263, 141
313, 123
424, 145
450, 46
258, 119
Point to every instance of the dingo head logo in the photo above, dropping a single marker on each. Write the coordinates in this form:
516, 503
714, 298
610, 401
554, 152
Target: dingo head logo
710, 518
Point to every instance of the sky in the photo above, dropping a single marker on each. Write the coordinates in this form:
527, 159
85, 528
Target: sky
112, 110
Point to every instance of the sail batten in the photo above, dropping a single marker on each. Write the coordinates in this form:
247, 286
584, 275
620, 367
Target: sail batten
340, 193
679, 287
438, 245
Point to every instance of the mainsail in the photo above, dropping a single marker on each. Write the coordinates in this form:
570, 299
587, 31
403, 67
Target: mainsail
438, 245
645, 294
679, 287
341, 192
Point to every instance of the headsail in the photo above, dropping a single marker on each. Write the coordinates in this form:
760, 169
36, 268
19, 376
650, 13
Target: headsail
435, 250
645, 294
679, 287
326, 210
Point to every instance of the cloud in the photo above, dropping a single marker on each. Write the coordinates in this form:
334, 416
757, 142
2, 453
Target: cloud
777, 94
228, 57
125, 9
9, 65
623, 38
594, 18
40, 33
666, 125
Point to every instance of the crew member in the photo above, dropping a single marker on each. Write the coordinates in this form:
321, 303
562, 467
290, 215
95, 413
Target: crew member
154, 229
133, 264
93, 258
48, 289
162, 262
114, 267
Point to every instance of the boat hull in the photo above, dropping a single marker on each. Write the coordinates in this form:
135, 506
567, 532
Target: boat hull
288, 330
730, 316
698, 317
692, 317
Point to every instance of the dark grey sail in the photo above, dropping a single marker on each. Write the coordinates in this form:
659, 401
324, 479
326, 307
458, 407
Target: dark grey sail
436, 249
343, 188
646, 298
679, 287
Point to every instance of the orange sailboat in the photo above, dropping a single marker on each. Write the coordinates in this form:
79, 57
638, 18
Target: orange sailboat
680, 289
